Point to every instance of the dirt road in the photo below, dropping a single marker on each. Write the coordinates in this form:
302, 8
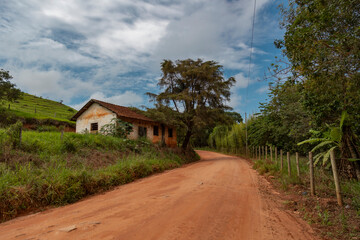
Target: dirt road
220, 197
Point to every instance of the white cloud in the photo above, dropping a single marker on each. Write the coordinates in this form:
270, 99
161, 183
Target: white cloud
52, 84
241, 81
73, 50
128, 98
235, 101
263, 89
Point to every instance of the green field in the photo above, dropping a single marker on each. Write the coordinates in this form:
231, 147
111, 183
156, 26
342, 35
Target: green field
30, 106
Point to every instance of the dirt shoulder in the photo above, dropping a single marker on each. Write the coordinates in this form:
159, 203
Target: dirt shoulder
219, 197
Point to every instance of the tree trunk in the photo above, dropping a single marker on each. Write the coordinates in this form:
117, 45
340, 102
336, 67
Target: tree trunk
186, 140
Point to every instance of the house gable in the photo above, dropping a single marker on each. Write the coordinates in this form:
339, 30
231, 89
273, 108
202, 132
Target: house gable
93, 114
96, 114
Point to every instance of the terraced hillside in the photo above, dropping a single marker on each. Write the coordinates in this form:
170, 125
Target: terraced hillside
30, 106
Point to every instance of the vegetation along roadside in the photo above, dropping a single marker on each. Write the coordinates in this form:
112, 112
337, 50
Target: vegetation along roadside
51, 169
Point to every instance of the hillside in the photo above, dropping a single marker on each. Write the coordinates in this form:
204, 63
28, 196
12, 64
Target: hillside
30, 106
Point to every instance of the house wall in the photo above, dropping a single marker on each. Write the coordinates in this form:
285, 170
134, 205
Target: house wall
171, 142
98, 114
94, 114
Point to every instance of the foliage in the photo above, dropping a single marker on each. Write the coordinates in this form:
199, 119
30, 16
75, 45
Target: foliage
334, 138
235, 116
283, 120
228, 138
11, 136
8, 90
117, 128
321, 80
195, 91
322, 43
49, 171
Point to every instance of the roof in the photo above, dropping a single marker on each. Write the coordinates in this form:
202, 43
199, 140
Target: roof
120, 111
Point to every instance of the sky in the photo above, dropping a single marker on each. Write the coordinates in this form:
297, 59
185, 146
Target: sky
111, 50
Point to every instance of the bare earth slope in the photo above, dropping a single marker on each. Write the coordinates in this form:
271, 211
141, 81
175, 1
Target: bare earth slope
220, 197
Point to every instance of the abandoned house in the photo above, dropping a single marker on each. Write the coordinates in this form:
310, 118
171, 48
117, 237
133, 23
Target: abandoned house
96, 114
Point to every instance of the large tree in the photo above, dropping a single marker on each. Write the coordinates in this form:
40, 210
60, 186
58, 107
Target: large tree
8, 90
196, 91
322, 43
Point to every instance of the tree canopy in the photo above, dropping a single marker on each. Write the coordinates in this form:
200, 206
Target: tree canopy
322, 43
8, 90
195, 91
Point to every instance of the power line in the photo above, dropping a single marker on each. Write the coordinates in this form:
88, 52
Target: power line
251, 48
247, 87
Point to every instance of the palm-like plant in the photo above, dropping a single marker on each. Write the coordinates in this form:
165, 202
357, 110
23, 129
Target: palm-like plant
331, 139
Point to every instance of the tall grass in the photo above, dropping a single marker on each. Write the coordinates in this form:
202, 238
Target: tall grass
47, 170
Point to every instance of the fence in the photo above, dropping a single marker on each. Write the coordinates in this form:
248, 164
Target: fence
261, 153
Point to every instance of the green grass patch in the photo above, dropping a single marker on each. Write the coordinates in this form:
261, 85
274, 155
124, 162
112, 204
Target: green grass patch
49, 170
32, 106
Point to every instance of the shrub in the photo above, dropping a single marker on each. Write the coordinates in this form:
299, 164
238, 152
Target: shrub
69, 145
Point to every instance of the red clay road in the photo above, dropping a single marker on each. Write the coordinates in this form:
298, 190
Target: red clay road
219, 197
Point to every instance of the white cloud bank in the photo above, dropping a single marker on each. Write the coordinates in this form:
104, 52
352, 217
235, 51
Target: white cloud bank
86, 49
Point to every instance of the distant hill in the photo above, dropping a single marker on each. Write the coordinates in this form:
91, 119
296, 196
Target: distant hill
30, 106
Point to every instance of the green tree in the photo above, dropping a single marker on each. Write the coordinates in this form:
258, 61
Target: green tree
196, 91
8, 90
322, 43
283, 121
235, 116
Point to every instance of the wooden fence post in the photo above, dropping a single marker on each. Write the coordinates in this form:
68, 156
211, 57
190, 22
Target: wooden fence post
311, 167
275, 154
336, 177
271, 152
288, 162
263, 152
281, 160
297, 164
259, 156
266, 152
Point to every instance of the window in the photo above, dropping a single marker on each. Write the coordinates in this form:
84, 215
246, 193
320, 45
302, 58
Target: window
142, 131
156, 130
94, 126
170, 132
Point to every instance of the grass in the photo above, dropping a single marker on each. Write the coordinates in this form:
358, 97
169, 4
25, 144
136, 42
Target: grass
331, 220
321, 211
30, 106
47, 170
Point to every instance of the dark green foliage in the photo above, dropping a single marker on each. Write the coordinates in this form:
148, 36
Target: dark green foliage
322, 80
236, 117
194, 92
8, 90
283, 121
